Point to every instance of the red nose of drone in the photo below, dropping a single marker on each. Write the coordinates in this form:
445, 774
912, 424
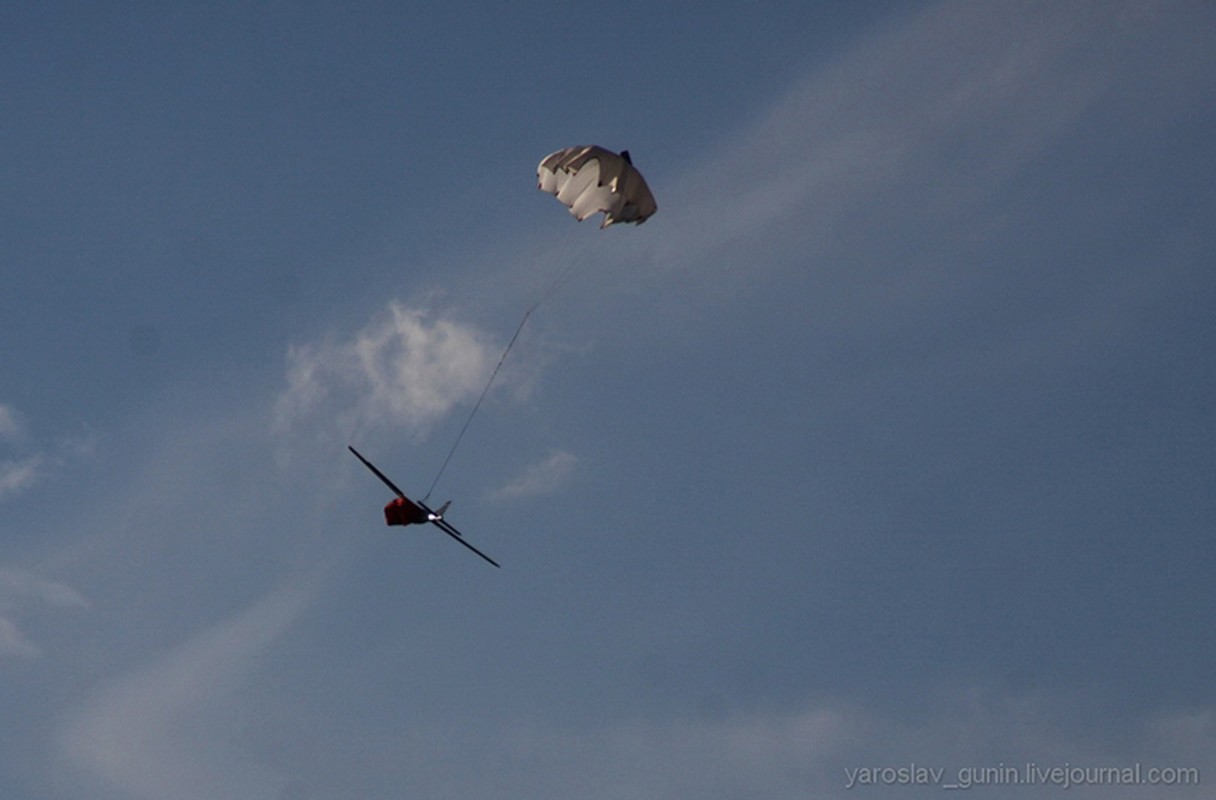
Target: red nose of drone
400, 511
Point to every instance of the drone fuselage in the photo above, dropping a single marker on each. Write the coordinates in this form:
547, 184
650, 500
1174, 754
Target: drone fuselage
403, 511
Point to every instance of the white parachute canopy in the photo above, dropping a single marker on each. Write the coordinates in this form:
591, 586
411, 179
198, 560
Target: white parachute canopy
589, 179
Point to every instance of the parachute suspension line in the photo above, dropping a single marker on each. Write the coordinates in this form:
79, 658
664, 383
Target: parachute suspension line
557, 283
561, 280
477, 405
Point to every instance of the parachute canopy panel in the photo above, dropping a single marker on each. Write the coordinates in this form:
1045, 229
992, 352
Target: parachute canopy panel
589, 179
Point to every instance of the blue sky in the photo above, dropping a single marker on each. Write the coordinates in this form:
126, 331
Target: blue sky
888, 440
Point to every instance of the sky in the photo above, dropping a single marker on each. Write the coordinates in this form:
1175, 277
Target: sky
878, 463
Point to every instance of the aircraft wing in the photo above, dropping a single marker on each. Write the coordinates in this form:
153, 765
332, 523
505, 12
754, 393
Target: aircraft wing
378, 473
440, 523
447, 528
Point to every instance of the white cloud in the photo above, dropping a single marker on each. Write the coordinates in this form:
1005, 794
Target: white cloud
923, 123
405, 369
814, 750
35, 459
16, 476
18, 591
21, 473
11, 424
14, 643
757, 755
17, 584
542, 478
160, 732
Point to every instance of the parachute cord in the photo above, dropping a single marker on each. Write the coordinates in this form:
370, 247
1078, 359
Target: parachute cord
477, 405
561, 280
556, 284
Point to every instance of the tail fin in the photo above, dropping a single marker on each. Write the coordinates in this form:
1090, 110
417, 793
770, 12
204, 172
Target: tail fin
439, 512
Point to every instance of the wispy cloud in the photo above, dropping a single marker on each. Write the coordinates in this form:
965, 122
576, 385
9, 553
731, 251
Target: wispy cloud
923, 124
159, 731
11, 424
405, 369
14, 643
16, 474
19, 590
824, 749
30, 461
19, 474
542, 478
18, 584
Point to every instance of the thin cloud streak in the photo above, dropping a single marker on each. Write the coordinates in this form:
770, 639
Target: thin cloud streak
932, 116
830, 749
20, 590
12, 426
154, 733
543, 478
33, 460
17, 476
14, 643
19, 584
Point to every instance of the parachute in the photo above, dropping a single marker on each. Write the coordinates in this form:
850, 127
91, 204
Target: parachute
589, 179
